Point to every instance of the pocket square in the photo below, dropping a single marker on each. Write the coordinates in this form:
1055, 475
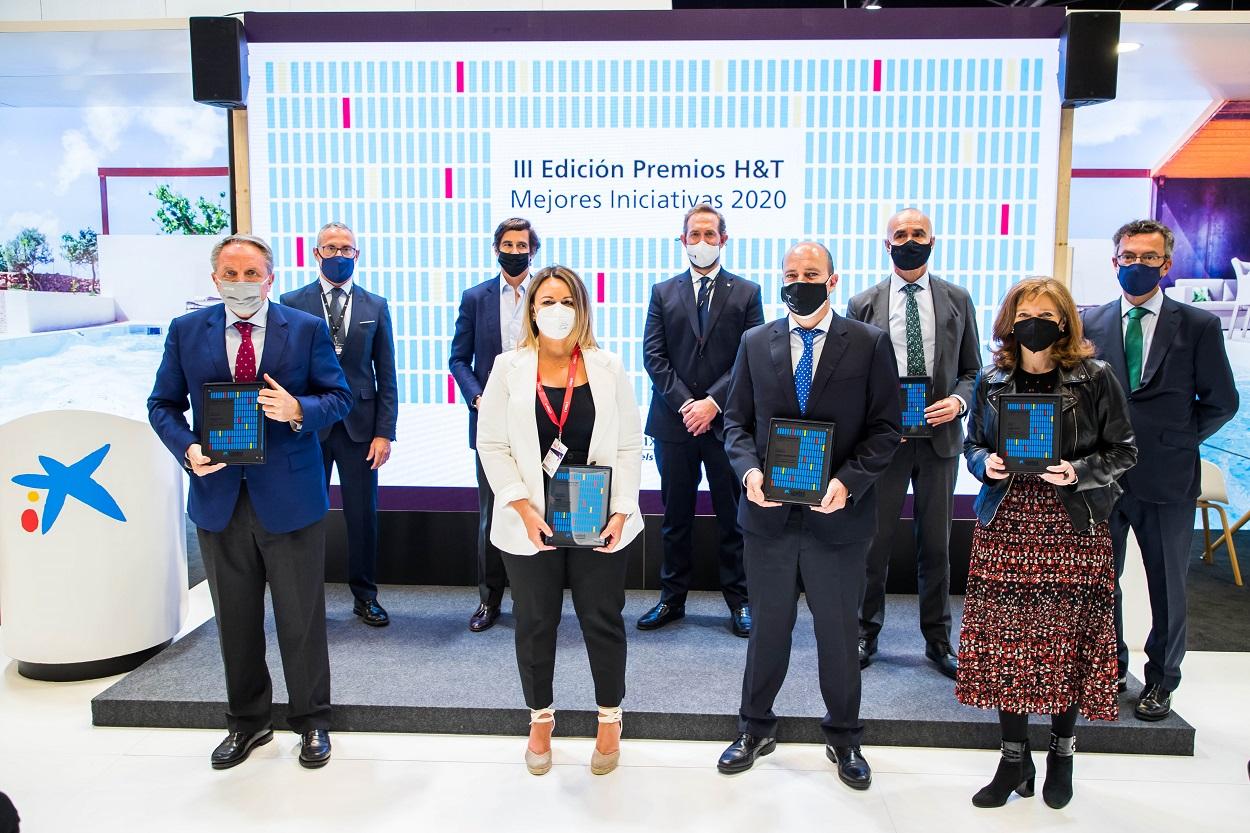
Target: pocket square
374, 321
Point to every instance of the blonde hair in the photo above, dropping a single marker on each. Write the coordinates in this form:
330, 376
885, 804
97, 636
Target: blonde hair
1068, 351
581, 305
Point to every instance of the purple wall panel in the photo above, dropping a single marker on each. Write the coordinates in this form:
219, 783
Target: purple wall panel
1211, 219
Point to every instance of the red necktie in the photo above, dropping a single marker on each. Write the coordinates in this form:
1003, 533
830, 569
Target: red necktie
245, 362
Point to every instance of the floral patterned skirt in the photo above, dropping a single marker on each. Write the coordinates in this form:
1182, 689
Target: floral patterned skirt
1038, 628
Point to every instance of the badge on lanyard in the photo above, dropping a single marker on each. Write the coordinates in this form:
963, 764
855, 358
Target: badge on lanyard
555, 454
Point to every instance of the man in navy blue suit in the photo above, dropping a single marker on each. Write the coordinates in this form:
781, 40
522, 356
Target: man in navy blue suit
259, 523
490, 322
815, 365
694, 325
360, 444
1171, 360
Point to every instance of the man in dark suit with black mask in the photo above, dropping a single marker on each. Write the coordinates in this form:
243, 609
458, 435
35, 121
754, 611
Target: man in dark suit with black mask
360, 443
814, 365
694, 325
933, 330
1170, 359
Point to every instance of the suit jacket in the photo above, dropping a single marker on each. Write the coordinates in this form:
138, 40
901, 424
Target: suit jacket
957, 351
368, 360
855, 385
684, 366
288, 491
476, 344
507, 442
1187, 393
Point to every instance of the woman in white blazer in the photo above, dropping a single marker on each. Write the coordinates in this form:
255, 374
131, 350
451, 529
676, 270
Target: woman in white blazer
557, 389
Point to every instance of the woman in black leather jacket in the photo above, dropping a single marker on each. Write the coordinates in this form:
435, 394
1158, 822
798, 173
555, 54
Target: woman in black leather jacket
1038, 634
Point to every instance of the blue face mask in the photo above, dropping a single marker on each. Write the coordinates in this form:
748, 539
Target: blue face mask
337, 269
1139, 279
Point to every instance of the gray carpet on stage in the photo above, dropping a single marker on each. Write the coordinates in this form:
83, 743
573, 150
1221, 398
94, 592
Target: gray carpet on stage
428, 673
1219, 611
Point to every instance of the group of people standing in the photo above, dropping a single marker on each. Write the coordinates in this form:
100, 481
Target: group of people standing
1143, 380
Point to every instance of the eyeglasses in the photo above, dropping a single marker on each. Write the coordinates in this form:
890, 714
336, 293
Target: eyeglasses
331, 251
1128, 259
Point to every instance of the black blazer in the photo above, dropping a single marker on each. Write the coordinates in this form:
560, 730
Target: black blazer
1096, 439
681, 365
1187, 393
957, 355
476, 344
855, 385
368, 360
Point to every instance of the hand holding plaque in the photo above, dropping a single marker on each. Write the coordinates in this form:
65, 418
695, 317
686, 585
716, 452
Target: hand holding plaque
1029, 431
798, 461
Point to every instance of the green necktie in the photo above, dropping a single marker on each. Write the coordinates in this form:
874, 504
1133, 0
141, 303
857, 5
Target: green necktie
915, 339
1133, 346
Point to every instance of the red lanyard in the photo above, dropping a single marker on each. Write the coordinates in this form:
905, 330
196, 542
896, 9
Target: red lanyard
568, 396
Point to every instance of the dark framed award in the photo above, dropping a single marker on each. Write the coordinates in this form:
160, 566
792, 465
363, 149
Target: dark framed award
915, 393
577, 505
798, 461
233, 430
1029, 430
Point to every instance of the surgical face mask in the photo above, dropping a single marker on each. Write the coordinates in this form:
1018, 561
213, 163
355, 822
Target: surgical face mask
1037, 334
1139, 279
803, 299
910, 255
242, 297
337, 269
514, 263
703, 254
556, 321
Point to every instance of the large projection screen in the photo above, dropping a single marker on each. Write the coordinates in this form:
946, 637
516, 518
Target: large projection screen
423, 148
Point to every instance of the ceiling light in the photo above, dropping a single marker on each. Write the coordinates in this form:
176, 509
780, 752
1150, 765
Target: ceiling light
1127, 46
872, 5
1186, 7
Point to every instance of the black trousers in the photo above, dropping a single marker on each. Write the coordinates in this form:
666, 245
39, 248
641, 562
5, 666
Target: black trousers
679, 464
597, 580
1165, 533
833, 578
239, 561
933, 480
359, 485
491, 575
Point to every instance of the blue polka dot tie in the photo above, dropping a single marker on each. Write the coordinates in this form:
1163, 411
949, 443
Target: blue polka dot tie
915, 339
803, 371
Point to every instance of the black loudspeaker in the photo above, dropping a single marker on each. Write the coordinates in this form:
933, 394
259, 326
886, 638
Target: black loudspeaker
219, 62
1088, 58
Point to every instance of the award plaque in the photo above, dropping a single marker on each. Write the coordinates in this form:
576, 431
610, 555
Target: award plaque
797, 464
577, 505
915, 393
1028, 430
233, 431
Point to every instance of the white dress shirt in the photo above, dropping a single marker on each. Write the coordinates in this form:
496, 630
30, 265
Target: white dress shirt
898, 322
512, 314
1148, 322
327, 301
696, 278
796, 342
234, 339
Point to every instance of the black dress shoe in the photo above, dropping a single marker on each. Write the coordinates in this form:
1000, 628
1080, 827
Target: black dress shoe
741, 754
740, 621
1154, 704
852, 768
238, 745
371, 613
1121, 683
483, 618
939, 653
660, 615
865, 652
314, 749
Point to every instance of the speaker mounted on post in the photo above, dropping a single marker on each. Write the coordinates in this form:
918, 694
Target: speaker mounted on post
219, 62
1089, 58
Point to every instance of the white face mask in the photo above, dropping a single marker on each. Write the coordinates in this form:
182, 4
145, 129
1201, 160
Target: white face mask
703, 254
242, 297
555, 321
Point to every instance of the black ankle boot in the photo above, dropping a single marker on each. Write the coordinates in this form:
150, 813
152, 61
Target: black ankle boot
1057, 791
1015, 772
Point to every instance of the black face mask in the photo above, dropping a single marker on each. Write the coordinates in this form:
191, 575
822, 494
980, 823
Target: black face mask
1037, 334
514, 263
911, 255
803, 299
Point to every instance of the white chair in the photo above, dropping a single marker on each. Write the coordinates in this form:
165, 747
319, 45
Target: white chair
1241, 274
1214, 493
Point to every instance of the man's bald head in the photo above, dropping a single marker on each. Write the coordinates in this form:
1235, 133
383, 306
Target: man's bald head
804, 250
909, 224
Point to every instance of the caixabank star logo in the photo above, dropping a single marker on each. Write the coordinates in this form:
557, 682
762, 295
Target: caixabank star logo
61, 482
